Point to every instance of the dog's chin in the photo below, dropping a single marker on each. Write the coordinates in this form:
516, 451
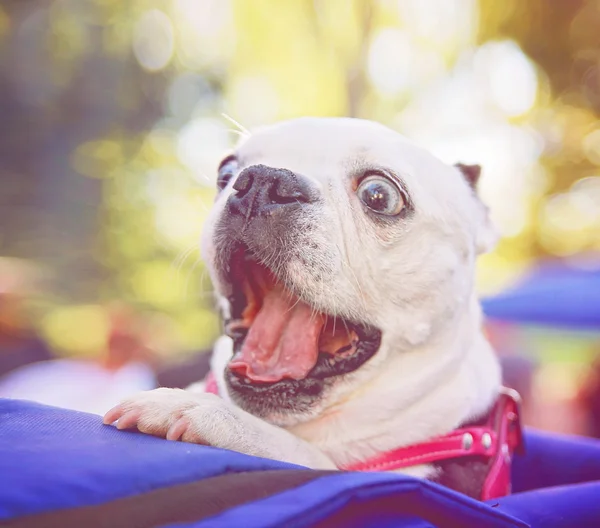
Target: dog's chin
297, 393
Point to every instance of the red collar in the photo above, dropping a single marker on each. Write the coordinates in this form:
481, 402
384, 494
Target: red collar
496, 440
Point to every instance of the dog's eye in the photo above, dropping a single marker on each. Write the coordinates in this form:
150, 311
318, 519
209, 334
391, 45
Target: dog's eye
380, 195
226, 171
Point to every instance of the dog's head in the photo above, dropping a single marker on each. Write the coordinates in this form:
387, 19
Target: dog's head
335, 244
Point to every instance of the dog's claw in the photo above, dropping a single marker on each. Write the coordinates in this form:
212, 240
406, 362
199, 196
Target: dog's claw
176, 431
129, 419
113, 415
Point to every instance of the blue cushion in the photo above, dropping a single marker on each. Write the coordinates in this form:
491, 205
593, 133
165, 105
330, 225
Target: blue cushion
55, 459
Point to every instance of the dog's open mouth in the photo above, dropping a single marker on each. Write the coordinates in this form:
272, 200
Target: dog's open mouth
278, 337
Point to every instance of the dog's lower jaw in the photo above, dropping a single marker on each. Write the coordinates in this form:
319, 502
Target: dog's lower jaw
415, 398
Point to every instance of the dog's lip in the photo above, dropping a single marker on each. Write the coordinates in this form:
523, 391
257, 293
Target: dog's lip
293, 394
328, 364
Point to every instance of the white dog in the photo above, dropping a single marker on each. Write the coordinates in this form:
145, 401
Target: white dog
343, 257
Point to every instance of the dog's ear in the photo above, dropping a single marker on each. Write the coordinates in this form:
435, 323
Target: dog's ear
487, 237
471, 173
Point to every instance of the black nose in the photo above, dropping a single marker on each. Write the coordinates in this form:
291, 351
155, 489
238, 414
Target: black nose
261, 190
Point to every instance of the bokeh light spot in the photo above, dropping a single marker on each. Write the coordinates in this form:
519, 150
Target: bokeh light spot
200, 146
390, 62
79, 330
153, 40
512, 76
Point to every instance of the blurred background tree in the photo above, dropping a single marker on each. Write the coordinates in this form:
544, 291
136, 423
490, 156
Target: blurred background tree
112, 126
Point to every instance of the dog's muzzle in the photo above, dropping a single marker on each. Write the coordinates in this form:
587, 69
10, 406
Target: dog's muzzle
284, 346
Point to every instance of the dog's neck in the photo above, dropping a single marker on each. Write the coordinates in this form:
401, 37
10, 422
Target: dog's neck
453, 378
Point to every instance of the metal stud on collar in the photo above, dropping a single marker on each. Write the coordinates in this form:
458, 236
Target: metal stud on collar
467, 441
486, 440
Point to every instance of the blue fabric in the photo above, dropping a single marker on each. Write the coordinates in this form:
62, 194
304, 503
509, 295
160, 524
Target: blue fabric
556, 460
557, 507
412, 503
553, 295
54, 459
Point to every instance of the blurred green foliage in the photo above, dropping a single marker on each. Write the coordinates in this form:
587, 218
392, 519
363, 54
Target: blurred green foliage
112, 126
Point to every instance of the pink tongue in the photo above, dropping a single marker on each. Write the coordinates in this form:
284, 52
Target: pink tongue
283, 341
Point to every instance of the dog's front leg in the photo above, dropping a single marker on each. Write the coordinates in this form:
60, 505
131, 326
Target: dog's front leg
207, 419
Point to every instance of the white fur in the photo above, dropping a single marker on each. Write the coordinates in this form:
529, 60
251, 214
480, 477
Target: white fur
413, 280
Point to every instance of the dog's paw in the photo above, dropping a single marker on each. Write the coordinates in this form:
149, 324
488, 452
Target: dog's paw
177, 414
174, 414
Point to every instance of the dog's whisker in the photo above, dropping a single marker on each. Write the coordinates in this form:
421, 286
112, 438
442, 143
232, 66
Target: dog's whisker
240, 127
293, 306
237, 132
202, 278
182, 256
205, 208
204, 176
179, 261
190, 272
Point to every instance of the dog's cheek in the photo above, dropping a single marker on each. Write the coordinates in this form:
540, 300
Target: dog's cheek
317, 269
